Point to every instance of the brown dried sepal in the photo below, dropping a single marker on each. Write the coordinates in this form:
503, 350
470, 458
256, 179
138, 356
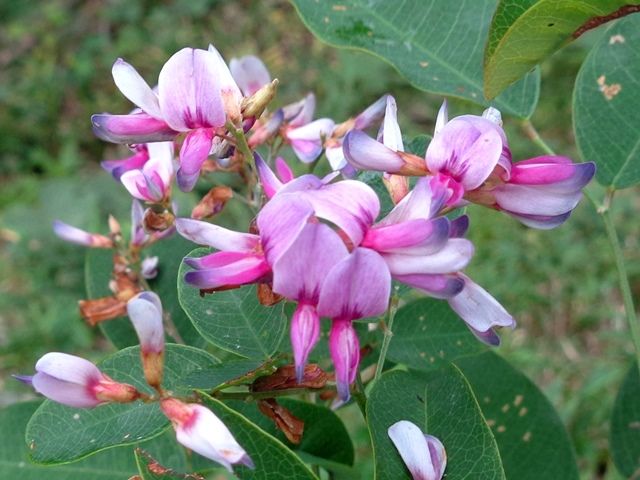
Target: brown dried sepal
285, 377
101, 309
205, 291
266, 295
212, 203
285, 421
158, 221
156, 468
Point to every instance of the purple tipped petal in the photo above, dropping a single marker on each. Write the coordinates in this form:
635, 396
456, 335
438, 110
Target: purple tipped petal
299, 276
189, 91
280, 222
270, 183
424, 455
356, 287
141, 187
453, 257
479, 309
75, 235
301, 112
436, 286
365, 153
345, 353
194, 152
67, 393
423, 202
284, 170
145, 312
305, 331
538, 200
229, 269
138, 235
26, 379
372, 114
541, 222
205, 233
250, 74
135, 128
429, 235
133, 86
467, 149
134, 162
391, 134
307, 140
459, 227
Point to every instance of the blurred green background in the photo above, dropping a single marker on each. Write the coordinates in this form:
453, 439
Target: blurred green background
55, 59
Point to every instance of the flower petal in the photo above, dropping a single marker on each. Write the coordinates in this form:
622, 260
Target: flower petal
424, 455
67, 393
356, 287
284, 170
453, 257
205, 233
269, 181
480, 311
250, 73
307, 140
345, 353
75, 235
436, 286
189, 91
535, 200
145, 313
134, 162
430, 235
194, 152
365, 153
443, 117
541, 222
372, 114
223, 269
301, 112
305, 331
391, 134
135, 128
133, 86
138, 235
425, 201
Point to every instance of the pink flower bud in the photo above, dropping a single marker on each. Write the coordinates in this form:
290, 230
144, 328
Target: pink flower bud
76, 382
145, 312
198, 429
423, 455
80, 237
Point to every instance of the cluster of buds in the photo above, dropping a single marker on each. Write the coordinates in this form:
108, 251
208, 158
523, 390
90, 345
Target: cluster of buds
76, 382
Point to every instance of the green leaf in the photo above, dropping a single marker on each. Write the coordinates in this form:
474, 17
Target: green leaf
59, 434
625, 425
150, 468
170, 251
325, 436
441, 403
532, 441
436, 44
525, 32
272, 459
115, 464
428, 334
217, 375
606, 105
233, 320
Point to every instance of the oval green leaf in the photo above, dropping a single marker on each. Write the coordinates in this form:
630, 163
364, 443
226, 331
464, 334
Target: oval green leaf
428, 334
625, 426
272, 459
435, 44
606, 105
532, 441
525, 32
233, 320
170, 252
442, 404
60, 434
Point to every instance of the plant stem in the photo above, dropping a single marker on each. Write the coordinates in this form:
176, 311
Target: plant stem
388, 333
604, 209
260, 395
359, 396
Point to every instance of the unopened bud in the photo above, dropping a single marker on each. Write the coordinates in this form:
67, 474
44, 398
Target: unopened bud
145, 312
254, 105
158, 221
397, 186
108, 390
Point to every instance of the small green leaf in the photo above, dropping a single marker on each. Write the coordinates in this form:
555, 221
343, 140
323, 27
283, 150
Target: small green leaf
272, 459
625, 425
233, 320
525, 32
441, 403
98, 267
59, 434
532, 441
217, 375
436, 44
606, 105
427, 334
325, 436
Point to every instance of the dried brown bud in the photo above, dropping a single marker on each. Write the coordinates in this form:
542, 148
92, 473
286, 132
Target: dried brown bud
101, 309
158, 221
266, 295
285, 421
285, 377
212, 203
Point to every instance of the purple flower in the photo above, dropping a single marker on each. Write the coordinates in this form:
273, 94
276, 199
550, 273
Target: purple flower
307, 140
199, 429
151, 182
145, 313
424, 455
134, 162
76, 382
80, 237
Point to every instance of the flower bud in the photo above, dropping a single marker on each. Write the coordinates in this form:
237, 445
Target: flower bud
254, 105
76, 382
423, 455
145, 312
198, 429
80, 237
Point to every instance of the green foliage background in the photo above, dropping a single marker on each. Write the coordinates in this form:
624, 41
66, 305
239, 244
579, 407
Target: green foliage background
55, 59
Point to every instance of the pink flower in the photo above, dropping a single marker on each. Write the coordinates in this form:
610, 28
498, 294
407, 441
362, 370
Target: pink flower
250, 74
134, 162
307, 140
424, 455
152, 182
196, 94
199, 429
76, 382
80, 237
145, 313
